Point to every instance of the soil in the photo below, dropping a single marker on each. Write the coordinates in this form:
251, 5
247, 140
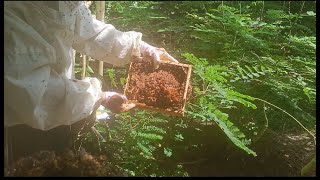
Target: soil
278, 155
68, 163
161, 88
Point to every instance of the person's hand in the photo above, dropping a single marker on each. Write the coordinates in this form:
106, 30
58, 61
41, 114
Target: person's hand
115, 102
157, 54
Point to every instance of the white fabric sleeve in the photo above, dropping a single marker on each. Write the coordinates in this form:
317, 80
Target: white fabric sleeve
102, 41
37, 91
64, 101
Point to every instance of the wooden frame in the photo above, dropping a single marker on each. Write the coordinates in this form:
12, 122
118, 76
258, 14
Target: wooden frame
175, 113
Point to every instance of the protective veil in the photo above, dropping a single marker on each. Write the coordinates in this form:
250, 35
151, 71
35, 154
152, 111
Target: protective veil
38, 41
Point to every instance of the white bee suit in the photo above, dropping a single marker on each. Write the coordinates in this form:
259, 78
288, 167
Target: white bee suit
38, 41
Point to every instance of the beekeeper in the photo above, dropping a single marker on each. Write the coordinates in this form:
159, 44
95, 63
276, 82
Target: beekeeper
39, 36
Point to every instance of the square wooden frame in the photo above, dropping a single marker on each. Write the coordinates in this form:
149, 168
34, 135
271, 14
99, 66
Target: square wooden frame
144, 106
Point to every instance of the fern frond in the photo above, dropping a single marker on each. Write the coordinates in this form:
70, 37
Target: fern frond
146, 151
149, 136
231, 131
241, 98
248, 73
155, 120
153, 129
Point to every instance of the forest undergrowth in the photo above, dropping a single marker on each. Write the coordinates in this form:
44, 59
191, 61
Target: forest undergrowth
254, 69
252, 111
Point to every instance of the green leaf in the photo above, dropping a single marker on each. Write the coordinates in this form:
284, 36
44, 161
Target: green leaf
311, 13
178, 137
167, 152
253, 73
240, 70
89, 70
233, 137
150, 136
146, 151
234, 93
153, 17
112, 76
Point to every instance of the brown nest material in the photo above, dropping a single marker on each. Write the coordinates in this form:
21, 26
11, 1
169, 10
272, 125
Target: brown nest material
163, 88
49, 163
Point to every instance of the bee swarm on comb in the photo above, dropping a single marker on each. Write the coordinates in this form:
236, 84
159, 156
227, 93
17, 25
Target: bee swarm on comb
161, 89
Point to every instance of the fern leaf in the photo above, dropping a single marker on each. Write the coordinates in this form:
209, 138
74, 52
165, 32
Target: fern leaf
145, 150
153, 129
240, 71
230, 132
263, 69
247, 73
150, 136
156, 120
256, 69
238, 97
253, 73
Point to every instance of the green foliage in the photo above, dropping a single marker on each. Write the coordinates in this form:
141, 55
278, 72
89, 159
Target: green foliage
167, 152
309, 168
216, 93
111, 75
248, 49
260, 53
248, 73
136, 142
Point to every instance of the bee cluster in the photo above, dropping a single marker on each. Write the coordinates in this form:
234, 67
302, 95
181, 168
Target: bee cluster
161, 88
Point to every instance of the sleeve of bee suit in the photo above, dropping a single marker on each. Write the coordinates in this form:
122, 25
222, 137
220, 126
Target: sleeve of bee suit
37, 54
102, 41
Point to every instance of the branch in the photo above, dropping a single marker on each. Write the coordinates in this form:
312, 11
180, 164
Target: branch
314, 138
194, 162
266, 124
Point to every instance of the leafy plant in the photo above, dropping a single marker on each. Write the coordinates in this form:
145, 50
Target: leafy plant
250, 51
111, 75
216, 93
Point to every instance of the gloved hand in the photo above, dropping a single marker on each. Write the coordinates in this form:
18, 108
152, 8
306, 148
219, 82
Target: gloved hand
157, 54
115, 102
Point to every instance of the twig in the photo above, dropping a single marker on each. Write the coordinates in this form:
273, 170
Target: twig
116, 18
235, 38
314, 138
6, 147
97, 133
295, 22
222, 9
130, 123
261, 15
134, 126
80, 145
289, 3
205, 7
194, 162
99, 136
266, 125
257, 56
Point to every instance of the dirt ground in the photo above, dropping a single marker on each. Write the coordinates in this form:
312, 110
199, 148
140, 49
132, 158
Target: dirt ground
67, 163
278, 155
